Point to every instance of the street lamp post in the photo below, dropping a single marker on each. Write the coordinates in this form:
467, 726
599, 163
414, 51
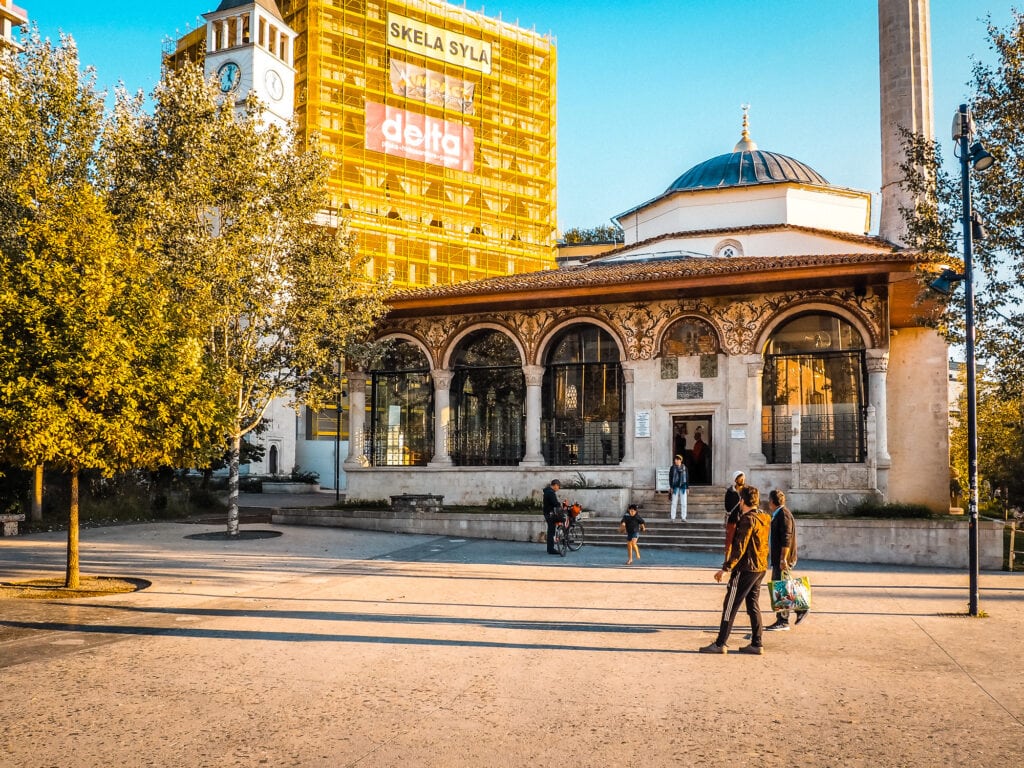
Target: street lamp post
963, 132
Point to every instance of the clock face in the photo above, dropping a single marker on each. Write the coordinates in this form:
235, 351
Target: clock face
228, 76
275, 86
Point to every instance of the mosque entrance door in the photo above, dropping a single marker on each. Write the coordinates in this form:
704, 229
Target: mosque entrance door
691, 437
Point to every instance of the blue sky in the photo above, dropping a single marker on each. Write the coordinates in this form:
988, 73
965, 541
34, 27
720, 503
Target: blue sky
648, 89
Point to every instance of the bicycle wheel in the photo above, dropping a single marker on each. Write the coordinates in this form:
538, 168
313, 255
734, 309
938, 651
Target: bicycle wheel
560, 542
574, 537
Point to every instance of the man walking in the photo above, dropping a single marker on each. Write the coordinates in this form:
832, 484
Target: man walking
783, 552
552, 513
745, 562
678, 482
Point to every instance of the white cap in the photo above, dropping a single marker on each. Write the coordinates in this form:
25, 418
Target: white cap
737, 474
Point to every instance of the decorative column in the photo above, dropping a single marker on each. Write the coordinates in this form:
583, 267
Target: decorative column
534, 375
356, 418
755, 398
878, 366
442, 414
629, 428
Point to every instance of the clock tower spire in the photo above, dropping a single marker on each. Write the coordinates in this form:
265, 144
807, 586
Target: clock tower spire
250, 49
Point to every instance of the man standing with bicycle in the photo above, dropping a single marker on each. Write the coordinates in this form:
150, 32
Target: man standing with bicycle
552, 513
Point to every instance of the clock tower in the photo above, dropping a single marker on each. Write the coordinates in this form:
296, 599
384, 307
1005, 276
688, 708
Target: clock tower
249, 48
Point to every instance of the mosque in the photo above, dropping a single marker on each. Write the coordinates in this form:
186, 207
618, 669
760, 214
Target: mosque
748, 322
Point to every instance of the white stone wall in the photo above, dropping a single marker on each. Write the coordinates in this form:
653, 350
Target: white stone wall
918, 393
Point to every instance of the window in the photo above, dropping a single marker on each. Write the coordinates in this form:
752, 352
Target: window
401, 425
488, 398
815, 367
582, 399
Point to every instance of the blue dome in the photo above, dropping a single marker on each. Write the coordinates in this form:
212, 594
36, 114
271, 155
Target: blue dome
746, 167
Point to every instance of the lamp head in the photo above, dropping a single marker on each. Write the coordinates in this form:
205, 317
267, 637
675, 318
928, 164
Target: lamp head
980, 157
945, 282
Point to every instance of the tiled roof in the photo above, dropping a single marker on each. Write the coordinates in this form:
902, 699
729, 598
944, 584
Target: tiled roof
599, 273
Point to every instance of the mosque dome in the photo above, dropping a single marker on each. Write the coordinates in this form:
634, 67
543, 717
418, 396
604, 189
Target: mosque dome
744, 166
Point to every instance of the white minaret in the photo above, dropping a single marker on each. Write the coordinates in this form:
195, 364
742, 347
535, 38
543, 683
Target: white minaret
250, 48
905, 68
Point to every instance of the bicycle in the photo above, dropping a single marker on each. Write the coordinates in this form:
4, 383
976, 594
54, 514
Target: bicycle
568, 530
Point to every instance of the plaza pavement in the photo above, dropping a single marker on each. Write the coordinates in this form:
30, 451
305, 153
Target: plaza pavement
327, 647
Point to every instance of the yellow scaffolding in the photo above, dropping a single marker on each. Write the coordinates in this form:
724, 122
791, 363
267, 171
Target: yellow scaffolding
423, 222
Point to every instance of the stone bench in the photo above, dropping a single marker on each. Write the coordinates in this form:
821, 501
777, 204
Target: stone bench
10, 523
417, 502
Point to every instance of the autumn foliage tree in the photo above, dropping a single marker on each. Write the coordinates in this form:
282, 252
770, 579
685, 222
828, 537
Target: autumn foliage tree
86, 354
997, 105
230, 208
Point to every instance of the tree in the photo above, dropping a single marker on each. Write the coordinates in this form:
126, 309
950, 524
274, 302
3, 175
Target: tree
603, 233
86, 357
228, 206
1001, 438
935, 226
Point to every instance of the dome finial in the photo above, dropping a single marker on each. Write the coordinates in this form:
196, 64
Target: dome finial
745, 144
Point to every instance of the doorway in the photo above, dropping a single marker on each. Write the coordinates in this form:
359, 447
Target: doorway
691, 439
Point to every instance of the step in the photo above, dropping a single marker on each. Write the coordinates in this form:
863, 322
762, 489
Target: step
692, 536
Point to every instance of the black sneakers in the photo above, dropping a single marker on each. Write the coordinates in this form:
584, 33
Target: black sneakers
782, 626
801, 616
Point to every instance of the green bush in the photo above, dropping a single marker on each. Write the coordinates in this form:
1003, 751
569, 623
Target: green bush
870, 508
500, 502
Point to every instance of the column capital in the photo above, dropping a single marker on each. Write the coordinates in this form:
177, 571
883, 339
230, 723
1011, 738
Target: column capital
442, 378
534, 375
356, 381
877, 360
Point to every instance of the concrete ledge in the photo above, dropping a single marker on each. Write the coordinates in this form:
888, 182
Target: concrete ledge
929, 543
938, 543
475, 526
277, 487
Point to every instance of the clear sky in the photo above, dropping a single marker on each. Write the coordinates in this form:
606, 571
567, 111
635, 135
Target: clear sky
649, 88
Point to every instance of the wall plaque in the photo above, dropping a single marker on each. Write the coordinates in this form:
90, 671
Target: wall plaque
708, 366
690, 390
670, 367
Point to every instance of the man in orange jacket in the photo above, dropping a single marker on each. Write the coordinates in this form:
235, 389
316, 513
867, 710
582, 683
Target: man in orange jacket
746, 562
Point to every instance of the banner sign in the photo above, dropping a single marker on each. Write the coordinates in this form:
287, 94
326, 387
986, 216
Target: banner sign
401, 133
440, 44
432, 87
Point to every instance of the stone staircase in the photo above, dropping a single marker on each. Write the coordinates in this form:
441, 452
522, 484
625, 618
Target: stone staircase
703, 531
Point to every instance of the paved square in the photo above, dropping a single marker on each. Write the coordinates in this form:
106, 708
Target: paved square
328, 647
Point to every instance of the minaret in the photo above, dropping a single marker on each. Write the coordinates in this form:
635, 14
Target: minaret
905, 68
250, 48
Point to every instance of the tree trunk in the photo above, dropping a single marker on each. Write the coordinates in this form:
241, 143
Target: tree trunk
71, 575
37, 494
236, 446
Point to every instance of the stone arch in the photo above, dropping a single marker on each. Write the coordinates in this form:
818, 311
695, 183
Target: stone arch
456, 338
415, 340
552, 331
862, 324
668, 325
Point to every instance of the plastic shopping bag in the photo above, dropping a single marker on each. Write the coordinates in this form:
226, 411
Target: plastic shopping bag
790, 593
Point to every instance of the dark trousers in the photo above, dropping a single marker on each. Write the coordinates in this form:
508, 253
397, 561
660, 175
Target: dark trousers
782, 616
744, 587
551, 519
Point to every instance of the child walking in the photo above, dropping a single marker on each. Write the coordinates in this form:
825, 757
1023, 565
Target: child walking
631, 525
